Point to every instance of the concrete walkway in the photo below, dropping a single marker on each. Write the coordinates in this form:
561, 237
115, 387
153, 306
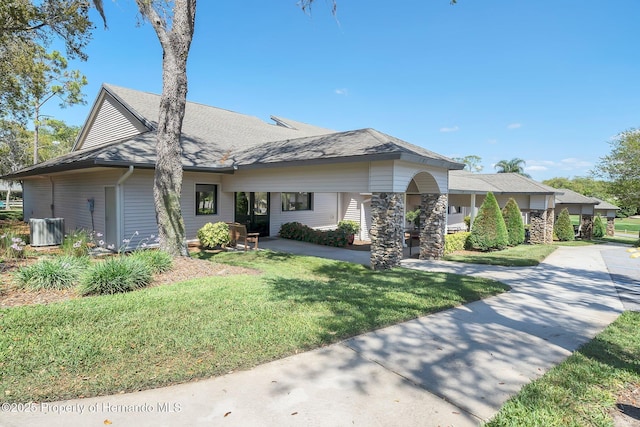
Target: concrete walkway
454, 368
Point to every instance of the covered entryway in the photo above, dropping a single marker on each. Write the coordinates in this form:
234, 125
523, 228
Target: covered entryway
252, 210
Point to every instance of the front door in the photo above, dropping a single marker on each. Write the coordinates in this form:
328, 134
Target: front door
252, 209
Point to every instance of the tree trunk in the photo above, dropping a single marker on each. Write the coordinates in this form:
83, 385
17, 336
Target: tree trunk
168, 173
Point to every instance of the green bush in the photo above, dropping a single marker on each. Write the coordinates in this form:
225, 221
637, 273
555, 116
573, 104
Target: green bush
599, 227
514, 223
157, 260
455, 242
214, 235
414, 218
52, 273
115, 274
303, 233
467, 222
563, 227
489, 231
349, 226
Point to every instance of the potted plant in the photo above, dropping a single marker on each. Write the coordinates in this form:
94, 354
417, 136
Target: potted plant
350, 228
413, 217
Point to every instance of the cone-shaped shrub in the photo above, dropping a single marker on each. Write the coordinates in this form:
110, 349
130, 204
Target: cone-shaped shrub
513, 220
563, 227
599, 229
488, 230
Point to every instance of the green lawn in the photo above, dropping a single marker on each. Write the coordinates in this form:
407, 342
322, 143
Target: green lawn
628, 225
581, 390
10, 215
518, 256
206, 327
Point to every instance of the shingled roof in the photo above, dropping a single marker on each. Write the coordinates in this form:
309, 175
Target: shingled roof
465, 182
214, 139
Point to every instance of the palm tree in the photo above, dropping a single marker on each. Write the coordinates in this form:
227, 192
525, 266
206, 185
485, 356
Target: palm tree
514, 165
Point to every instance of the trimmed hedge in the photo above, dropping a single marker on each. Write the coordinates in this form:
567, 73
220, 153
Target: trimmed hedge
488, 232
455, 242
303, 233
563, 227
513, 220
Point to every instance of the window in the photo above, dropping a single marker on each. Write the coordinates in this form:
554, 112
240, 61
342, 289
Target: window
206, 199
296, 201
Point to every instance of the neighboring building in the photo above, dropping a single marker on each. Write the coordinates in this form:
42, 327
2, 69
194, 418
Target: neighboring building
239, 168
536, 201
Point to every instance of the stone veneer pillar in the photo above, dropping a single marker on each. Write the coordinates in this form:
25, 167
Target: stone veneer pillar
611, 227
387, 231
538, 227
433, 220
587, 227
551, 220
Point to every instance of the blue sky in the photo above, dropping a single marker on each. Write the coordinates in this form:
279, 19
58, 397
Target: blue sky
550, 82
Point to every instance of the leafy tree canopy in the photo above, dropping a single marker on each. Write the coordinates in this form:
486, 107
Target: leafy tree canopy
622, 168
514, 165
472, 163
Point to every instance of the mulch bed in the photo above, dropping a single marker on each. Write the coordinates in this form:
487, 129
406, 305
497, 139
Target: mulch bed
183, 269
627, 409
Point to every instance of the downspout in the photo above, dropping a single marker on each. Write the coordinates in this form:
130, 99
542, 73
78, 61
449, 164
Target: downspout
53, 194
120, 203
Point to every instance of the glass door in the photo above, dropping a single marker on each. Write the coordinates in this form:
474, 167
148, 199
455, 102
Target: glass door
252, 210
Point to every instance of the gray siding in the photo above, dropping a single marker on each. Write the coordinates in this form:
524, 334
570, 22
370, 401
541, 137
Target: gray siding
326, 178
37, 198
112, 122
323, 215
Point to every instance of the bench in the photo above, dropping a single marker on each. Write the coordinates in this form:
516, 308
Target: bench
238, 233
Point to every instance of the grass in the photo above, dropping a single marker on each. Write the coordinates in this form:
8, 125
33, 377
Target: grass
628, 225
517, 256
581, 390
207, 327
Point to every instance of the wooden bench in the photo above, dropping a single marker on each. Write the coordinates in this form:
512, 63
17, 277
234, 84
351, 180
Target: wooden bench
238, 233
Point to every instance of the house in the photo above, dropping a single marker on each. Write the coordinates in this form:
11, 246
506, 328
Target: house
536, 201
587, 208
239, 168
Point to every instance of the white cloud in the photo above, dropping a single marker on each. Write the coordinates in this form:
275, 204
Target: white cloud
343, 91
452, 129
568, 164
514, 126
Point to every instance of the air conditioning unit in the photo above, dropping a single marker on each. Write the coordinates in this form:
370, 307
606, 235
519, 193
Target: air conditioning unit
46, 231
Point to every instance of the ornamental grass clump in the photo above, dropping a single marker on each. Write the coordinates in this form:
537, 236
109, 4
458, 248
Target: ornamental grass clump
563, 227
514, 223
158, 261
114, 275
489, 231
60, 272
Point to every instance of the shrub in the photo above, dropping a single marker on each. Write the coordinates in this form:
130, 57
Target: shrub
467, 222
489, 230
514, 223
77, 243
303, 233
214, 235
349, 226
599, 227
563, 227
52, 273
12, 244
158, 261
414, 217
455, 242
115, 274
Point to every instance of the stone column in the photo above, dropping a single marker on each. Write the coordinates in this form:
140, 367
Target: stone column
551, 219
538, 227
587, 227
387, 231
433, 222
611, 227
